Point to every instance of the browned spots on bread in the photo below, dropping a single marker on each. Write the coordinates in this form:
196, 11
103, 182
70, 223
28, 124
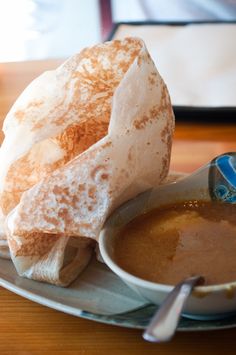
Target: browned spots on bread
106, 145
104, 176
151, 80
36, 103
130, 155
96, 170
92, 192
20, 115
81, 187
63, 213
35, 244
141, 122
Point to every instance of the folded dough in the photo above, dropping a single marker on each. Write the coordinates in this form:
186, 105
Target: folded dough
80, 141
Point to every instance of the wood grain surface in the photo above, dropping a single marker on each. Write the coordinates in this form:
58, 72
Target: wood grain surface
28, 328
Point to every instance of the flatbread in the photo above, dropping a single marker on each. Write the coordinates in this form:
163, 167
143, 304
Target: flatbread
90, 135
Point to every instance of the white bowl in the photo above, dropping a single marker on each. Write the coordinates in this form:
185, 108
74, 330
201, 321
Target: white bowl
206, 302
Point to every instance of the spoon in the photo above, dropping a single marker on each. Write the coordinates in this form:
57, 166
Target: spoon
165, 321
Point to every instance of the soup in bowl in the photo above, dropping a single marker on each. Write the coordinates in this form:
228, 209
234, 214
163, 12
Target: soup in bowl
173, 232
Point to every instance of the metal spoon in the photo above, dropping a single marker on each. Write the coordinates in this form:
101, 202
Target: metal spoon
164, 323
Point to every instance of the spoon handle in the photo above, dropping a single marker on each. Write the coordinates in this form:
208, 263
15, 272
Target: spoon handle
164, 323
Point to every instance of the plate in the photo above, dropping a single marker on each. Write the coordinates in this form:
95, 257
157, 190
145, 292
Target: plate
97, 295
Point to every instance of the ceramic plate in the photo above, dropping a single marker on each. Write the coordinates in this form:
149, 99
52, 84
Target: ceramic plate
98, 295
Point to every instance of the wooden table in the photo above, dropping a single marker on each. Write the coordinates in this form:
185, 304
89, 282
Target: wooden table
28, 328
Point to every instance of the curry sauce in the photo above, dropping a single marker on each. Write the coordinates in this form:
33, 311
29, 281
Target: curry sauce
191, 238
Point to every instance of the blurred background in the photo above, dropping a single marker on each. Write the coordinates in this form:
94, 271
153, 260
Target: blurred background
39, 29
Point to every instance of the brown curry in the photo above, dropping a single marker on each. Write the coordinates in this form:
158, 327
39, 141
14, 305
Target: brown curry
191, 238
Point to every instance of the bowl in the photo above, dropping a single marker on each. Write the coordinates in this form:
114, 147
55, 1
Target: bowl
205, 302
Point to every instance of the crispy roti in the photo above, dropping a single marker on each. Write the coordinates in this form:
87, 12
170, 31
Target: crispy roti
92, 134
59, 115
